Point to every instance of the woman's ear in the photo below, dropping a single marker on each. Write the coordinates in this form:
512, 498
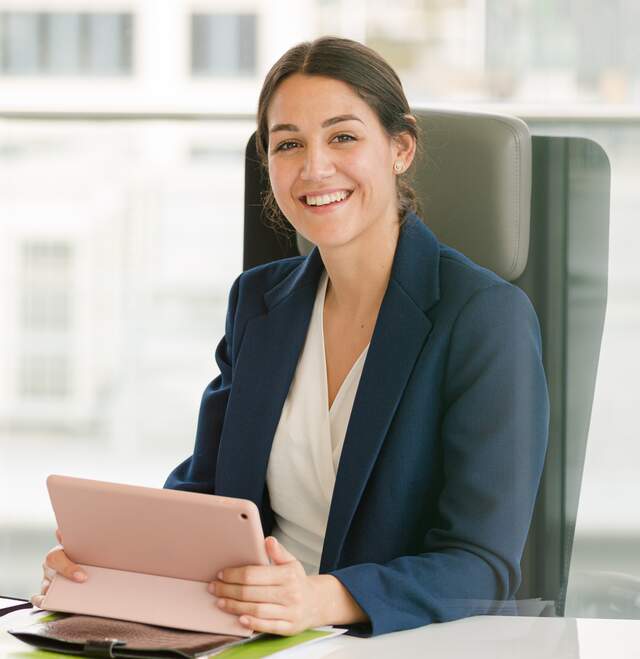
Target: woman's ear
404, 149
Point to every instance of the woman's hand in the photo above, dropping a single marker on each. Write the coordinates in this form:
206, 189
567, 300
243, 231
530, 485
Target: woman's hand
56, 561
277, 599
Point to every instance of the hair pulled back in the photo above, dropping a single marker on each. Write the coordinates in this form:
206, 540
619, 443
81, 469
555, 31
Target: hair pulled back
368, 75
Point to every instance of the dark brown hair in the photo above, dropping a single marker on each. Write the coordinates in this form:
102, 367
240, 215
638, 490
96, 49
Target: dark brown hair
368, 75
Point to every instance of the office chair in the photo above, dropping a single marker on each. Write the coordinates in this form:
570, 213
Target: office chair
534, 209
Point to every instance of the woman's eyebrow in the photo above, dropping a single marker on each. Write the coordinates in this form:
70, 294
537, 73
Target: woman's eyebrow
327, 122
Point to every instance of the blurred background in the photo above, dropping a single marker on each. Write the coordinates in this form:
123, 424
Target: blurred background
122, 131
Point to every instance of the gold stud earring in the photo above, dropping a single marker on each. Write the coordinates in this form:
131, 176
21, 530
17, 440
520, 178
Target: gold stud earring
397, 166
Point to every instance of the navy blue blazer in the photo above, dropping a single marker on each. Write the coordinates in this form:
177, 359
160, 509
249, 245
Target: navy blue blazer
445, 444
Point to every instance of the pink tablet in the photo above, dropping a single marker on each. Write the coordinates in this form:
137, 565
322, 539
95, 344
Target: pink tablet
150, 553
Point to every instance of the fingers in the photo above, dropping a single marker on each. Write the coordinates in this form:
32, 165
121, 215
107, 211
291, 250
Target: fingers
277, 552
246, 593
279, 627
258, 575
254, 609
273, 598
48, 572
37, 600
59, 562
44, 586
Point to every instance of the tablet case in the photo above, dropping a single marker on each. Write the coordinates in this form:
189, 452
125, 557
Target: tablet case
103, 637
150, 553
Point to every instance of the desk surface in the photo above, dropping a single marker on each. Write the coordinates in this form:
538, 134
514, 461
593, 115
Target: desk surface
481, 637
497, 637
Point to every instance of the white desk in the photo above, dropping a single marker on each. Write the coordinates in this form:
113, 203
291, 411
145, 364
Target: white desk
482, 637
494, 637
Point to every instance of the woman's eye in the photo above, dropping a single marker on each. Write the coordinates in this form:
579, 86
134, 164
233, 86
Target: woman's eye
289, 144
281, 147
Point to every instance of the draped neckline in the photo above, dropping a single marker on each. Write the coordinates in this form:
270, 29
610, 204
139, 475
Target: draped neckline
354, 367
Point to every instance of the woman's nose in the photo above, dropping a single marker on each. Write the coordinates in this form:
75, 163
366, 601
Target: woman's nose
317, 164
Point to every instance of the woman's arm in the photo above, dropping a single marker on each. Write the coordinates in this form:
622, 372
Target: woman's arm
494, 435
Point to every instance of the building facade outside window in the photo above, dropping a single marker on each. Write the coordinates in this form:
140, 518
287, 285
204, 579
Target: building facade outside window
46, 322
223, 44
65, 43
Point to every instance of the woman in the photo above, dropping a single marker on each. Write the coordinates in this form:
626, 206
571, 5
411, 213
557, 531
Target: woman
382, 400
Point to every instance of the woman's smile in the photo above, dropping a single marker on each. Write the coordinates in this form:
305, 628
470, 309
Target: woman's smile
326, 202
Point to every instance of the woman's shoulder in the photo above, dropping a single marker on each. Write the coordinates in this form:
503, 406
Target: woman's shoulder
450, 274
252, 284
269, 274
466, 284
457, 268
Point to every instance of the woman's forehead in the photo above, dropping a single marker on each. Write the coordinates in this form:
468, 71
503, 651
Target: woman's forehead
310, 100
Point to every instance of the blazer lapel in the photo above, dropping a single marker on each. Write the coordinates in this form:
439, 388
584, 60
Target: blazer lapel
400, 333
264, 369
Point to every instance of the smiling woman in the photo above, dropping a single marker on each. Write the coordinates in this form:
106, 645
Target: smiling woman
382, 400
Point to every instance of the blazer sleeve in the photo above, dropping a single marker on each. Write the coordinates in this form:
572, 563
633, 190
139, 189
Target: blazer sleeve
494, 432
197, 473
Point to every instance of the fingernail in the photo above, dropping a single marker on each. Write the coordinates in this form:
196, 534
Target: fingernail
243, 620
222, 603
220, 574
212, 588
79, 576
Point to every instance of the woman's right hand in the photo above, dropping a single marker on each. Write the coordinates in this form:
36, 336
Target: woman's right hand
56, 561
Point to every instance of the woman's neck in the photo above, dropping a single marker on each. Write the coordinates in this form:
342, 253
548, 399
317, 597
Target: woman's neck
359, 271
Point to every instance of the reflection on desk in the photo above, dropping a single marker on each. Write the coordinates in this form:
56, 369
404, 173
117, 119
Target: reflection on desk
494, 637
481, 637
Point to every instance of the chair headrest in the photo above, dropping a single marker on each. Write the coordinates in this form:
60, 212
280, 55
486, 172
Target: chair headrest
474, 186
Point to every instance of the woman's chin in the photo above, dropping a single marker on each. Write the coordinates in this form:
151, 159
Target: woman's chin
328, 239
326, 232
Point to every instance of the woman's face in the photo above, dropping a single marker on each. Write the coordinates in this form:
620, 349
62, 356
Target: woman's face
324, 139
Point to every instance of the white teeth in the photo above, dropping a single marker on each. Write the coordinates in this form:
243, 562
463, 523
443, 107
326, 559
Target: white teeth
327, 198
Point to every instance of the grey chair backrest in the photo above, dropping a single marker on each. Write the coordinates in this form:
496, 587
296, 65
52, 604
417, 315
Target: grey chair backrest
535, 210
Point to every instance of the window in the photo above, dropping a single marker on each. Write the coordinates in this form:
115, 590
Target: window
44, 375
60, 43
45, 320
587, 42
223, 44
46, 269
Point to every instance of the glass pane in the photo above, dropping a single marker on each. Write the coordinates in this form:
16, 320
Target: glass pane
22, 45
106, 36
223, 44
63, 54
113, 284
247, 44
44, 375
46, 281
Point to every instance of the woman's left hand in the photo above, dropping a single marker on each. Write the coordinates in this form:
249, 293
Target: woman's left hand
277, 599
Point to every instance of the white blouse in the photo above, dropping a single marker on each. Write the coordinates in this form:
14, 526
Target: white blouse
306, 449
